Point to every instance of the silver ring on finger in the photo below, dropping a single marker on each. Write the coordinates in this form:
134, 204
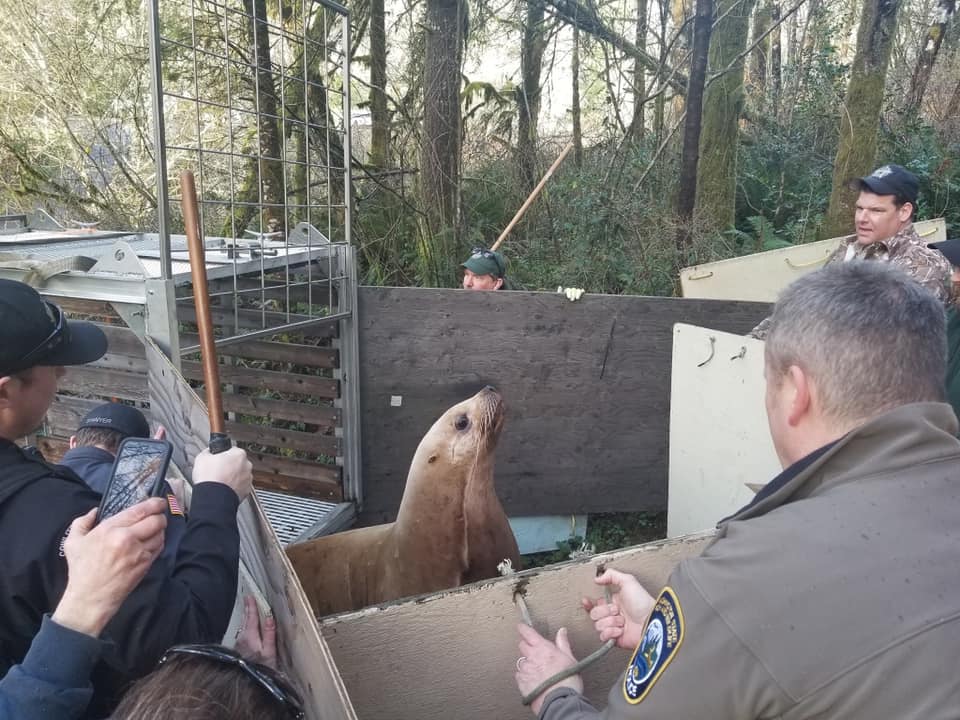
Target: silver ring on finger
520, 661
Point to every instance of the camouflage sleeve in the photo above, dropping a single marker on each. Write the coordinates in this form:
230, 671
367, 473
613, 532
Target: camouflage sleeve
761, 330
929, 268
837, 255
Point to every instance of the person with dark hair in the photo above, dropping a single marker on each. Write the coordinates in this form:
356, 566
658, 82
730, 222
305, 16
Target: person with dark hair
884, 232
951, 251
105, 563
210, 682
192, 602
94, 445
835, 593
93, 448
484, 270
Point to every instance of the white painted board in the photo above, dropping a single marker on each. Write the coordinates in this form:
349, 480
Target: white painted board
541, 533
761, 276
719, 438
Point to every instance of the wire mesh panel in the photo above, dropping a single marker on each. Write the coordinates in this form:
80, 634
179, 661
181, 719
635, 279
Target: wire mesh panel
253, 97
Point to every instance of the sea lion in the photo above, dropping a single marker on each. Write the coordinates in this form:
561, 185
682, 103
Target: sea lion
450, 529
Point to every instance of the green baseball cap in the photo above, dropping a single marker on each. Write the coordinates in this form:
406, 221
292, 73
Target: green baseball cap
486, 262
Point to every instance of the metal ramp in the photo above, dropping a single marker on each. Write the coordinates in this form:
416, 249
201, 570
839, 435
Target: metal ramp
295, 519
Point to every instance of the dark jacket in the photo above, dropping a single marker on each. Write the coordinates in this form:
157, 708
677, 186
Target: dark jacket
953, 358
191, 602
53, 681
93, 465
835, 595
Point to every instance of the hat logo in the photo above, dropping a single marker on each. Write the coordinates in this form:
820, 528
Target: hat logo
881, 173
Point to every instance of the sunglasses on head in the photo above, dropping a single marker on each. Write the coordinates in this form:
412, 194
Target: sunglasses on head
490, 255
270, 680
54, 340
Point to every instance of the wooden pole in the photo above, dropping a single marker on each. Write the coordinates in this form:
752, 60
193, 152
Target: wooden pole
533, 196
219, 441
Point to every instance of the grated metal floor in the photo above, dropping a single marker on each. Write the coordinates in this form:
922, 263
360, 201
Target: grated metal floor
296, 519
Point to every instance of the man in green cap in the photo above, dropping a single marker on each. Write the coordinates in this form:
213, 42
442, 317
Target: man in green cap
484, 270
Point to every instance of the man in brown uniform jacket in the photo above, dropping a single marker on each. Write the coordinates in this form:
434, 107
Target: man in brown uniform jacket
836, 592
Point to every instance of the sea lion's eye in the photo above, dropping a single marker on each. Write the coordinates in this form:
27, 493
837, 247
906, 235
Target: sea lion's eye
463, 422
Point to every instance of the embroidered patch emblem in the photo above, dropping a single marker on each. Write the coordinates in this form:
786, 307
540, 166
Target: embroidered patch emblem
661, 638
882, 172
174, 504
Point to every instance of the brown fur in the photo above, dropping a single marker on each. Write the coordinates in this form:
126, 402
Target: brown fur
450, 529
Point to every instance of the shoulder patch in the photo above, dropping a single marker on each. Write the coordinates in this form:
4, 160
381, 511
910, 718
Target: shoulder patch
661, 639
174, 505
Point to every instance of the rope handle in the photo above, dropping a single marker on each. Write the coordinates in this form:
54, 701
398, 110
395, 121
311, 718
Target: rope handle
812, 263
574, 669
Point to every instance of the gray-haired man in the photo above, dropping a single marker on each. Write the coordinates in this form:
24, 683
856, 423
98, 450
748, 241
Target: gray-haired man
835, 593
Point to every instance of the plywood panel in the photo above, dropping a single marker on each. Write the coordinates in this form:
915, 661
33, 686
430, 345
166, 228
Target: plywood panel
761, 276
719, 440
302, 651
452, 655
586, 385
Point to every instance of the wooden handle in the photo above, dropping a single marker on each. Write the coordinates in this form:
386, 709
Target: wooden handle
201, 301
533, 196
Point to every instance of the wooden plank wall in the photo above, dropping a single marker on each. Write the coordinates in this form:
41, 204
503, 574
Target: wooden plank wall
301, 651
279, 397
452, 654
586, 384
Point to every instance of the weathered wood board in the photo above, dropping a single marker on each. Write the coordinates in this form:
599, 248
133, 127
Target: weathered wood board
303, 653
586, 384
719, 439
293, 397
452, 655
761, 276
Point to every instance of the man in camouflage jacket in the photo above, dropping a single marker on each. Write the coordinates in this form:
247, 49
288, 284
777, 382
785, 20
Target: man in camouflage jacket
885, 232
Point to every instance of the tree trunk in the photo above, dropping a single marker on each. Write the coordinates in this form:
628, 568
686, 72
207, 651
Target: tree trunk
928, 56
758, 66
379, 115
440, 142
575, 107
687, 191
264, 181
774, 76
860, 114
639, 74
722, 106
532, 48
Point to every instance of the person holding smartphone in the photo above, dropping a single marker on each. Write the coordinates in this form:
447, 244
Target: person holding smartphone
93, 450
188, 603
105, 562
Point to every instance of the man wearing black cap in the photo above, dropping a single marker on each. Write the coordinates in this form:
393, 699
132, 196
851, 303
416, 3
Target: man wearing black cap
951, 251
94, 448
190, 603
885, 232
484, 270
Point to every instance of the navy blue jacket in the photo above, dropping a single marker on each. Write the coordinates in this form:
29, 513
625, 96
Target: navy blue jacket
189, 603
93, 466
53, 681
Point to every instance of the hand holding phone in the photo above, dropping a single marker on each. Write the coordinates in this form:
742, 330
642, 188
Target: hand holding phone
138, 473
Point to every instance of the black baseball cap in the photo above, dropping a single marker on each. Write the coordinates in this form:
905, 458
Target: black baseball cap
950, 249
125, 419
34, 331
892, 180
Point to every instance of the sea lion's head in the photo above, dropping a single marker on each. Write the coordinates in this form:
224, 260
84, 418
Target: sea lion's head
464, 436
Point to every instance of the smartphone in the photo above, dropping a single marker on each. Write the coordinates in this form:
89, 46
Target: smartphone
138, 473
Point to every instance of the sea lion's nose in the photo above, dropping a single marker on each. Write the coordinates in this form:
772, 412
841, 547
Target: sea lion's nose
489, 388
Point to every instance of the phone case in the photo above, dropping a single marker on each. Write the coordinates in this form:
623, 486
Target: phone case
155, 488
